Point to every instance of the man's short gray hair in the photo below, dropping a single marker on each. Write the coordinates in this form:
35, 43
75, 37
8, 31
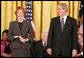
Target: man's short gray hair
64, 5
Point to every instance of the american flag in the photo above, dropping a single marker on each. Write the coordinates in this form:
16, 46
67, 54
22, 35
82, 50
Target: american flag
81, 9
81, 5
29, 13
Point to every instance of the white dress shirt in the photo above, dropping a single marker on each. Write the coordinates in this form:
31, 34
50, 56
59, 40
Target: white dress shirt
44, 43
65, 17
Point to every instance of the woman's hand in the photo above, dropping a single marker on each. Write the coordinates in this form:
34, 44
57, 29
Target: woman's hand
23, 40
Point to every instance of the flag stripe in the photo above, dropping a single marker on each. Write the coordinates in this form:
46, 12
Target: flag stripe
29, 14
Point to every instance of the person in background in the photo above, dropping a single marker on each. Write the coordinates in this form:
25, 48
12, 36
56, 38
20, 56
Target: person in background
40, 46
5, 45
80, 34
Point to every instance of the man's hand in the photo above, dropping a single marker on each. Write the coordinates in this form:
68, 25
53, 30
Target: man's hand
74, 53
49, 51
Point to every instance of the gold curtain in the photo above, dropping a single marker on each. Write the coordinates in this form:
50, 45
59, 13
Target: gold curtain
43, 11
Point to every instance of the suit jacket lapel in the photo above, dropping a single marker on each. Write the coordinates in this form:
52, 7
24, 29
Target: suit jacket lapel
66, 23
59, 24
23, 26
42, 44
17, 26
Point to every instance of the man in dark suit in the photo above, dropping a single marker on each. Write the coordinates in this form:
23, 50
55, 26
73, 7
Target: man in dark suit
40, 46
62, 37
21, 34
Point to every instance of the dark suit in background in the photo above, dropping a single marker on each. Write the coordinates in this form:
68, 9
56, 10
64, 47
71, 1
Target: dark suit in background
39, 49
62, 41
20, 49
